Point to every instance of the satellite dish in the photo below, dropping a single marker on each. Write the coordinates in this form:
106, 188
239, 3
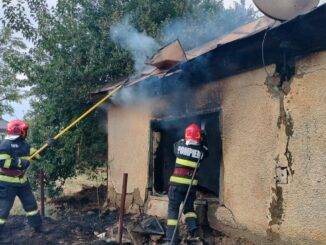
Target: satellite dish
285, 9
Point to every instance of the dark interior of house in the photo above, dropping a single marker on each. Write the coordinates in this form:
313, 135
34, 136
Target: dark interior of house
164, 159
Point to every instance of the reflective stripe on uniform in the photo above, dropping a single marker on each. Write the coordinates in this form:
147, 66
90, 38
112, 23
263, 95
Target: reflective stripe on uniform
7, 163
19, 164
191, 215
31, 152
2, 221
181, 180
7, 159
11, 179
172, 222
4, 156
31, 213
186, 163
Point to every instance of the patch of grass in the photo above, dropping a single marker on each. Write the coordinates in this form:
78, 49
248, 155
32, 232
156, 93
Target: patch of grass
89, 179
76, 185
71, 187
17, 208
88, 189
51, 211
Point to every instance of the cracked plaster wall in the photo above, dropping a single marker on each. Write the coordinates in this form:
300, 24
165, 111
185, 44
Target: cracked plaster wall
304, 217
262, 131
249, 135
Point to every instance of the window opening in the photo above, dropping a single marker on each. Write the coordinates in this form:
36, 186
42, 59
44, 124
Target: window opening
166, 132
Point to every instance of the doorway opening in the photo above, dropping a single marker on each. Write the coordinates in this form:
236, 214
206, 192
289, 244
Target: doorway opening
166, 132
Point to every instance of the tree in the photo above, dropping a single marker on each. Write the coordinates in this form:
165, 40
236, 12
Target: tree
72, 57
21, 15
10, 52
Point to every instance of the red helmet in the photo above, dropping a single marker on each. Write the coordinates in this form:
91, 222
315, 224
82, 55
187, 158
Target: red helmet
17, 127
193, 132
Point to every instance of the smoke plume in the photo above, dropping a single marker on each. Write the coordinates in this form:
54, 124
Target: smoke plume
138, 43
193, 29
201, 26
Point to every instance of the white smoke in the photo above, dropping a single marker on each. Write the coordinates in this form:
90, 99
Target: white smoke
138, 43
203, 25
192, 30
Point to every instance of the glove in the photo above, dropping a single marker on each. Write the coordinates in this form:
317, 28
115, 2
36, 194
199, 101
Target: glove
24, 163
50, 141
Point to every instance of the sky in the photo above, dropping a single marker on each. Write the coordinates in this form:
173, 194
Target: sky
229, 3
22, 108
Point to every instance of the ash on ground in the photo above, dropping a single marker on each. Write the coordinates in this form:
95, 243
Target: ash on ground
76, 220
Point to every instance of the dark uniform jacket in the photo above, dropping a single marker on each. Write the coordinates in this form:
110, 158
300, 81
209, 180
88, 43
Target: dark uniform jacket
187, 158
14, 161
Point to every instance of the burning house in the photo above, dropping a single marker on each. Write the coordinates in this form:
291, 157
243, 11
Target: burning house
261, 93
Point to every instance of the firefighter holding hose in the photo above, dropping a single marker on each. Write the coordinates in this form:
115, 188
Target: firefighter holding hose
14, 154
183, 182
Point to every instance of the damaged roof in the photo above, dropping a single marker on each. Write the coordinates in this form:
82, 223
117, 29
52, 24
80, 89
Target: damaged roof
257, 44
243, 31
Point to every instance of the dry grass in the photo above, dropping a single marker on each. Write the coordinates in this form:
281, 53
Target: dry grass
17, 208
72, 186
89, 179
76, 184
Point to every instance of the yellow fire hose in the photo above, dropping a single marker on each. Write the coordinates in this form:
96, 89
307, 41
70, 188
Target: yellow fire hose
78, 119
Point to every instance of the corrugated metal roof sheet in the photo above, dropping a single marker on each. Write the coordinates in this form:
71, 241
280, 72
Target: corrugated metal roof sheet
168, 56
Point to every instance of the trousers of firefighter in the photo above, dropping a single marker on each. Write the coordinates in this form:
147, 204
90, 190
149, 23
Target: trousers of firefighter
189, 152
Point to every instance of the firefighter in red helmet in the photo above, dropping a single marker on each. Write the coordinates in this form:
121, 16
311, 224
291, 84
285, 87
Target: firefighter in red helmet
14, 153
189, 152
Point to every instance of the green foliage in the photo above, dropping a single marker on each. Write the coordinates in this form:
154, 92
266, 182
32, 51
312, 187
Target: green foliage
20, 15
73, 55
10, 49
72, 58
150, 16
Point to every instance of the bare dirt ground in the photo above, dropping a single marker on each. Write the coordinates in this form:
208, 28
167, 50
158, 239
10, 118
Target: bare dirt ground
77, 222
75, 219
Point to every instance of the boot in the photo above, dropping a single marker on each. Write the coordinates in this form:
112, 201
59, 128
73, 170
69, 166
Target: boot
193, 237
1, 231
194, 241
192, 233
168, 242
